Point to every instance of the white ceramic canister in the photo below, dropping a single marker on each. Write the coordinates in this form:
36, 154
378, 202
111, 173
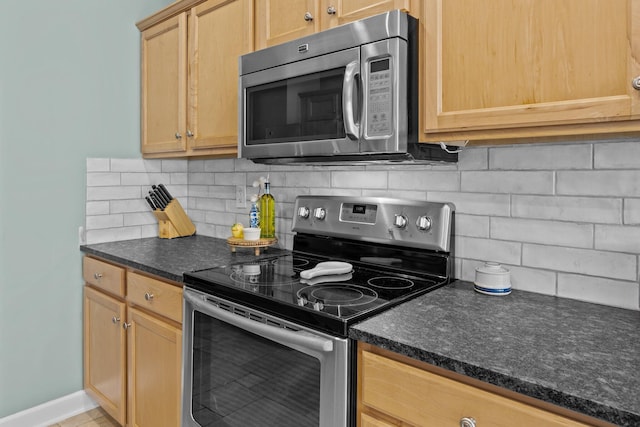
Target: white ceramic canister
493, 279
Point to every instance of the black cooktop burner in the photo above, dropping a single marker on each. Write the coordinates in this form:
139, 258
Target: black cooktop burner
331, 302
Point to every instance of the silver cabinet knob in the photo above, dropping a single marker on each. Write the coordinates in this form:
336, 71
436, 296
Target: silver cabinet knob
423, 223
331, 10
97, 276
126, 325
115, 319
148, 296
303, 212
400, 221
319, 213
636, 83
467, 422
189, 134
308, 17
178, 136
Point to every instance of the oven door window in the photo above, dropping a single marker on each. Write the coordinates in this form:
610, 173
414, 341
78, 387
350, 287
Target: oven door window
241, 379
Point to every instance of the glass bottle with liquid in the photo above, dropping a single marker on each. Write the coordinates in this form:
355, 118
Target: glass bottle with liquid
267, 214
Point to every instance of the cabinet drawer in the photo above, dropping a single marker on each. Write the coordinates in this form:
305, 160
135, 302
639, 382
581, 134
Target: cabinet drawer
104, 275
155, 295
425, 399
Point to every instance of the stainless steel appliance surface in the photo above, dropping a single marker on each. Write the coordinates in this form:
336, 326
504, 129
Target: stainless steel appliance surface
348, 94
265, 342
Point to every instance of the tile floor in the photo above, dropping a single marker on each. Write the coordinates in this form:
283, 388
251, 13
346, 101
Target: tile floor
93, 418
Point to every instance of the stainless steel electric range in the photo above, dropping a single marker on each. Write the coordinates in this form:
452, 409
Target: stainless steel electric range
265, 342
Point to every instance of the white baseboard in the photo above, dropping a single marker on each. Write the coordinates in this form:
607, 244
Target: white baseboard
51, 412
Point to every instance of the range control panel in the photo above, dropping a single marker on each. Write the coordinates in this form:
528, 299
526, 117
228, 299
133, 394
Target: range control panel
410, 223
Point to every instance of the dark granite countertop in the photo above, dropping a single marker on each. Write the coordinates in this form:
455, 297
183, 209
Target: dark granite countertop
580, 356
170, 258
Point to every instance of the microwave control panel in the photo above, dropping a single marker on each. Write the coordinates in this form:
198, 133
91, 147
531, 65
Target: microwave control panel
379, 98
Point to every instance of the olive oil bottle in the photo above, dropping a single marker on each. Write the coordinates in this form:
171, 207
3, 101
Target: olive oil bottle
267, 213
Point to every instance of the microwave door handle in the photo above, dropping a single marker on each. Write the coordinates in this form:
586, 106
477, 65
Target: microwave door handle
281, 335
351, 126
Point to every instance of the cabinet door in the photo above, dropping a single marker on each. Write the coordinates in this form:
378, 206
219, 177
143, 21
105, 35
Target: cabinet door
154, 365
164, 86
338, 12
504, 64
104, 352
219, 32
278, 21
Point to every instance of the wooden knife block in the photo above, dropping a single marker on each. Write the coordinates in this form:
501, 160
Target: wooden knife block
173, 221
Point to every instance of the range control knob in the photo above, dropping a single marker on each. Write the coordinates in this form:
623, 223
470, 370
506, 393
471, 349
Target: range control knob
319, 213
423, 223
318, 305
303, 212
400, 221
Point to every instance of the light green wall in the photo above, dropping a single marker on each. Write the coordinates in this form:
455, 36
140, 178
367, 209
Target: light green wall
69, 89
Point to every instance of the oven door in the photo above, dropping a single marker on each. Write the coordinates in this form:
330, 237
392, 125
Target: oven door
245, 368
305, 108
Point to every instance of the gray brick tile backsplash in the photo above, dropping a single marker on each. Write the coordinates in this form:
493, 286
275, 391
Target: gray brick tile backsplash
98, 165
564, 218
472, 225
617, 155
474, 158
579, 209
425, 180
306, 179
488, 250
541, 157
618, 238
364, 179
96, 179
512, 182
113, 193
585, 261
602, 291
474, 203
632, 211
608, 183
174, 166
545, 232
97, 208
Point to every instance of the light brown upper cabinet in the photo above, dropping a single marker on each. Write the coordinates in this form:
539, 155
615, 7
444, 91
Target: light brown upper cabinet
189, 77
529, 68
278, 21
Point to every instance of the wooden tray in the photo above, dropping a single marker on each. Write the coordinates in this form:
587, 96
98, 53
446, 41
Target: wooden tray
235, 242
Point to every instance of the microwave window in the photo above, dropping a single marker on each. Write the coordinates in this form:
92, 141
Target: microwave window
302, 108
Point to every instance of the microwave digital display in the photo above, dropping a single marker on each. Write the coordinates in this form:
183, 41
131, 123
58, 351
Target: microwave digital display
380, 65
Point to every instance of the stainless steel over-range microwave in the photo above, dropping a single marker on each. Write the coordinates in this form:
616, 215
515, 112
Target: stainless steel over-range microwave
346, 94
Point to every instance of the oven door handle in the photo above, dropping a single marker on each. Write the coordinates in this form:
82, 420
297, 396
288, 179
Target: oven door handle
281, 335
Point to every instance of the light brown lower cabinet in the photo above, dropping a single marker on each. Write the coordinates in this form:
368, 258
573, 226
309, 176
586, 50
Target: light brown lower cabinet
394, 390
132, 344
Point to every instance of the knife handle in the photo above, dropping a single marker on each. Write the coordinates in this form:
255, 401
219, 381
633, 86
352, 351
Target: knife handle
165, 191
153, 207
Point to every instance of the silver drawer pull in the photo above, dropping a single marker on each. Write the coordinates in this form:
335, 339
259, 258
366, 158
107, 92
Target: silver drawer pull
115, 319
467, 422
126, 325
148, 296
97, 276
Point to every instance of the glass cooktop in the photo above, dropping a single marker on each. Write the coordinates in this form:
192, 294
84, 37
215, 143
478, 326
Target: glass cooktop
330, 302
